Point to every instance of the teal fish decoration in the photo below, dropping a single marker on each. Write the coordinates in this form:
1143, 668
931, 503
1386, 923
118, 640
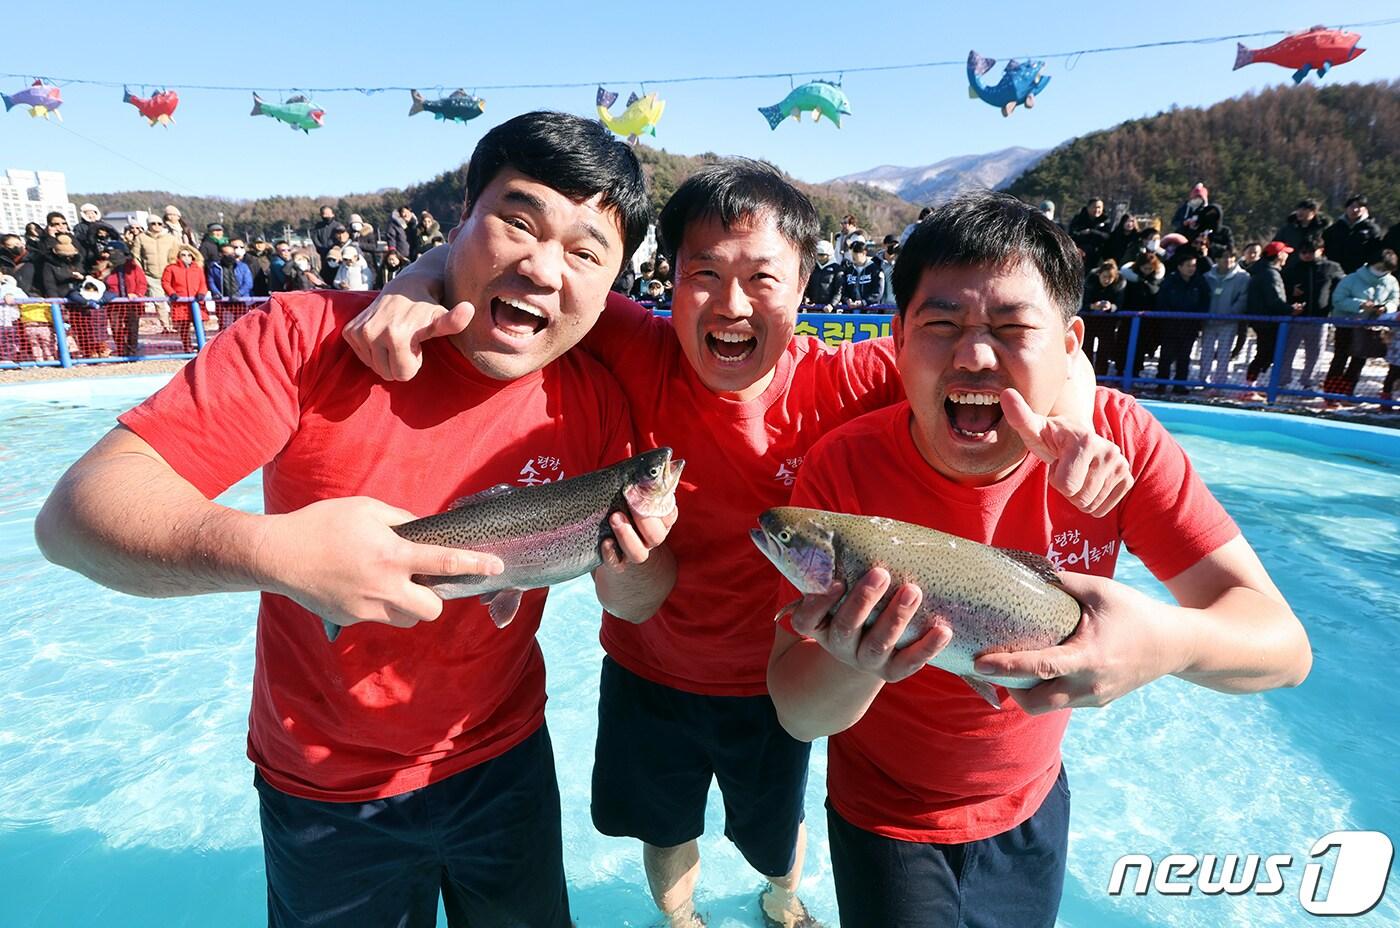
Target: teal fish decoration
458, 105
822, 98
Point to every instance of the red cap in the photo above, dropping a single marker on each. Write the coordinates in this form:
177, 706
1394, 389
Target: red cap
1274, 249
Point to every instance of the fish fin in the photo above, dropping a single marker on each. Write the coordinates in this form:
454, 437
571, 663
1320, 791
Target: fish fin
1323, 68
126, 96
459, 92
499, 489
299, 98
979, 65
984, 689
632, 98
1030, 101
417, 106
1034, 562
257, 106
1300, 74
332, 630
1008, 107
605, 98
774, 114
1243, 56
502, 605
972, 92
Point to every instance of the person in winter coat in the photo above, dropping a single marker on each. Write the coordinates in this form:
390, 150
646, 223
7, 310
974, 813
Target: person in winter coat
354, 272
862, 278
1228, 284
323, 232
824, 284
393, 264
298, 274
1182, 291
1144, 278
90, 229
1267, 296
88, 318
399, 232
63, 268
259, 261
214, 240
14, 262
1351, 240
1122, 244
1302, 224
1309, 279
1197, 214
1366, 293
184, 283
175, 222
429, 234
230, 279
1090, 228
126, 282
364, 237
1103, 293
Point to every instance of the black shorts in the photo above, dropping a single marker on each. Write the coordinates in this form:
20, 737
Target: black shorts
658, 748
487, 839
1011, 880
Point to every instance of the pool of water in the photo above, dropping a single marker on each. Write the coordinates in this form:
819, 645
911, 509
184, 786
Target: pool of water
125, 797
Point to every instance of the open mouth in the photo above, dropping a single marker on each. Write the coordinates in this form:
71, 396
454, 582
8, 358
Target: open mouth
516, 318
973, 416
731, 347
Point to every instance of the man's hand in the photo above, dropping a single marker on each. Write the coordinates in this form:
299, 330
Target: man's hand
634, 539
342, 560
388, 335
1121, 643
870, 650
1087, 469
637, 573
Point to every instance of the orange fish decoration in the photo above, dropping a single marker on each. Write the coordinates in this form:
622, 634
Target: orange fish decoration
1317, 48
158, 108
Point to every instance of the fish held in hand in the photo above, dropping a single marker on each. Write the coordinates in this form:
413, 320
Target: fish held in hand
993, 599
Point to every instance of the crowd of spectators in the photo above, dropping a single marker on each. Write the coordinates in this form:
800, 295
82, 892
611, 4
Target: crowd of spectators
178, 271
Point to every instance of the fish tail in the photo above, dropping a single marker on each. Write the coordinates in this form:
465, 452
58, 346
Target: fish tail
605, 99
417, 106
257, 106
126, 96
9, 101
1243, 56
332, 630
977, 65
774, 114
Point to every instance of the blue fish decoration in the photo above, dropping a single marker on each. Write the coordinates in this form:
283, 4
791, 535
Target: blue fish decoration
1019, 83
459, 105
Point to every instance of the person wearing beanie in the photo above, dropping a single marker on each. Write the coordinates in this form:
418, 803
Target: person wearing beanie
1351, 240
824, 286
1192, 216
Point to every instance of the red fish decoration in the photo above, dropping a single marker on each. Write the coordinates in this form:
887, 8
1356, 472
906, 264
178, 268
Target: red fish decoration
1319, 47
158, 108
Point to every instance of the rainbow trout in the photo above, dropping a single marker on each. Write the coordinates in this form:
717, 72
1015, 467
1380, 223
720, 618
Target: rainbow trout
545, 534
994, 599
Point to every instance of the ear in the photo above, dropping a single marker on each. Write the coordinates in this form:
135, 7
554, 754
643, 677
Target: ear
1074, 336
897, 330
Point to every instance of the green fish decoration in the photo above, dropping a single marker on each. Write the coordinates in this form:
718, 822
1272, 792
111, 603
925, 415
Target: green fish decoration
823, 98
298, 112
460, 106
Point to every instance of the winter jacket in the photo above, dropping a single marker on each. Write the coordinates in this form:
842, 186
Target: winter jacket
396, 235
1365, 285
22, 270
261, 267
224, 286
1266, 295
1183, 294
155, 252
1140, 295
356, 276
1311, 283
85, 235
126, 282
1350, 244
1229, 294
1095, 292
1090, 233
1294, 233
865, 283
428, 235
323, 235
60, 275
182, 282
824, 286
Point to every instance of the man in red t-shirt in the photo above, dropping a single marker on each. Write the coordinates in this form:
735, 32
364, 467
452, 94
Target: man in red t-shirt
683, 699
408, 759
945, 810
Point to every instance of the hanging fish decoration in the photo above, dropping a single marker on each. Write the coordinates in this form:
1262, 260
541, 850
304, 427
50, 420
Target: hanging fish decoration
823, 98
159, 107
42, 99
1019, 83
298, 112
1318, 47
460, 106
641, 115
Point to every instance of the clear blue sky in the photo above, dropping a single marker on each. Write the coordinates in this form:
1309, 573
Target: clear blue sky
368, 142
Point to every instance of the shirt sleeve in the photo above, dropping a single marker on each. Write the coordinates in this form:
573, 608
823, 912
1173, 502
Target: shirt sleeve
235, 406
1169, 519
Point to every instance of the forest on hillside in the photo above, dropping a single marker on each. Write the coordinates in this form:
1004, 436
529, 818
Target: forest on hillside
1258, 154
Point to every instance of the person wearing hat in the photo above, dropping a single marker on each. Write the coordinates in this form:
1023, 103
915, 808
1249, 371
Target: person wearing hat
824, 286
1188, 218
63, 268
214, 240
184, 281
88, 318
87, 234
155, 250
176, 224
1267, 296
1303, 223
1349, 240
862, 278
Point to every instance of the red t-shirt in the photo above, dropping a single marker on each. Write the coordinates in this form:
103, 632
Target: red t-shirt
714, 633
383, 710
930, 761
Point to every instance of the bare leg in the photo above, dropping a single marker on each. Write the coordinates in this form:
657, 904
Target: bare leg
672, 873
780, 901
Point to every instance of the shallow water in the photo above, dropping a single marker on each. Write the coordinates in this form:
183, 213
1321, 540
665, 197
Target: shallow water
125, 796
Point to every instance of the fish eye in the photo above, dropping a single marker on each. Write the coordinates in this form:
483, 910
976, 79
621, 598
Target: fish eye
785, 536
655, 471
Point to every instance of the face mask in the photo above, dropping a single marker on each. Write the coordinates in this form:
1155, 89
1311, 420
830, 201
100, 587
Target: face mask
1195, 201
302, 264
240, 252
186, 260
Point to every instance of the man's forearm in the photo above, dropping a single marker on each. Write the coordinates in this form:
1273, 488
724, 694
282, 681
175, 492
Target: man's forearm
128, 522
636, 593
1245, 642
816, 695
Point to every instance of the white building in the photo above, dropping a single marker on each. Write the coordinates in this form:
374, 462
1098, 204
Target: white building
29, 196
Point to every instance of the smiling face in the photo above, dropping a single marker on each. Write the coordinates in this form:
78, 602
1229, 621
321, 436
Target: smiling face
735, 302
536, 265
968, 333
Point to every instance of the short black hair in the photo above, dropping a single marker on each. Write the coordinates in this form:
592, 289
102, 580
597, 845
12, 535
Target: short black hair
578, 157
1308, 203
1313, 242
49, 218
736, 190
984, 228
1358, 199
